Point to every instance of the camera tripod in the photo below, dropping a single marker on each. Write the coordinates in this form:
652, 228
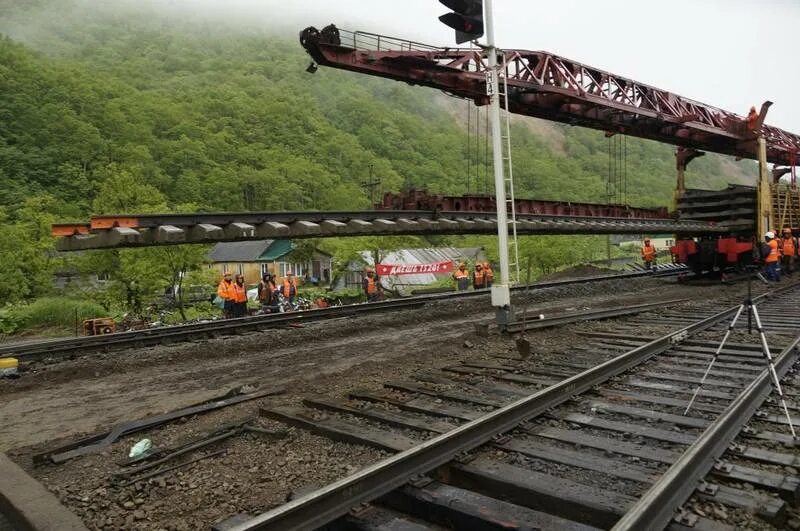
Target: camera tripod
752, 315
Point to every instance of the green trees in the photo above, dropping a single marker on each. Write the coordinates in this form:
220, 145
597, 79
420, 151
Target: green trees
110, 110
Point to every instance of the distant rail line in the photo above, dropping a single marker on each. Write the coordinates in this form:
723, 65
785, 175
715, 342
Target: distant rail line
80, 345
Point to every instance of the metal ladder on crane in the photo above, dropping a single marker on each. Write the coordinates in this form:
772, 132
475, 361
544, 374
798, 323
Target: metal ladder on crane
508, 179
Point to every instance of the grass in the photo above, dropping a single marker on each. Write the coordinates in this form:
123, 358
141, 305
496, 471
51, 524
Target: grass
48, 313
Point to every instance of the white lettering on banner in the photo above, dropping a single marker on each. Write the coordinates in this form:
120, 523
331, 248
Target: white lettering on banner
414, 269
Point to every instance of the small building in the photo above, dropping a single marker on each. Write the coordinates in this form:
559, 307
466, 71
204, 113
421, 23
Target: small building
254, 258
406, 283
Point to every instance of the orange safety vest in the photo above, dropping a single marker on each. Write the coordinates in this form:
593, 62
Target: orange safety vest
288, 287
372, 286
225, 290
479, 278
459, 274
239, 292
488, 272
774, 254
648, 252
788, 246
265, 290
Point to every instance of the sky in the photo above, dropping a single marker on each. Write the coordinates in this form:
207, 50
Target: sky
728, 53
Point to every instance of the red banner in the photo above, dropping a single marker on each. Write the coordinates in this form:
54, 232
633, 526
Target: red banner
414, 269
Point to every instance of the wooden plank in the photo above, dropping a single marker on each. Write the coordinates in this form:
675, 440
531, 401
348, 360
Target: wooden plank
678, 420
659, 455
611, 467
419, 405
457, 508
773, 510
412, 387
710, 382
714, 372
376, 518
787, 487
634, 429
507, 376
340, 430
542, 492
616, 396
765, 456
381, 415
678, 389
782, 438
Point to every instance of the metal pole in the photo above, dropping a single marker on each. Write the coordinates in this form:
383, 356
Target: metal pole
501, 295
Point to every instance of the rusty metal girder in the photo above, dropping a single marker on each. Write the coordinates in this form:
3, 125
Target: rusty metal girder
422, 200
554, 88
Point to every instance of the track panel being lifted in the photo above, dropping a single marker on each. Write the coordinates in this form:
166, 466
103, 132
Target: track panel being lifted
126, 230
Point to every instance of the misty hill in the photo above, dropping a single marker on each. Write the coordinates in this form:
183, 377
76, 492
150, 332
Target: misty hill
226, 118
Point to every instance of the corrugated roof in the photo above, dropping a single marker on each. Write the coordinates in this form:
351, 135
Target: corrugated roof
249, 251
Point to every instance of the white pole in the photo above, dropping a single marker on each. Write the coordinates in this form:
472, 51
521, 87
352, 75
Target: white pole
501, 295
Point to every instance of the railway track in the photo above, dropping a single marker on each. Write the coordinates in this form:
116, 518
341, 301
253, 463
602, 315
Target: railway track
595, 439
33, 351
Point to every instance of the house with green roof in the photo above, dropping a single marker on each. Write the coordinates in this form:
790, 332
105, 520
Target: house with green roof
254, 258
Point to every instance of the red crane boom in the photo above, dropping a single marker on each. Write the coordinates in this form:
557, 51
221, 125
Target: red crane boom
547, 86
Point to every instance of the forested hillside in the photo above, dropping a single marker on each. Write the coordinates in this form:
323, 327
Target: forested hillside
109, 109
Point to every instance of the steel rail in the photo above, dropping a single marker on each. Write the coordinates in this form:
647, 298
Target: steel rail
109, 221
40, 349
159, 335
328, 503
591, 315
657, 507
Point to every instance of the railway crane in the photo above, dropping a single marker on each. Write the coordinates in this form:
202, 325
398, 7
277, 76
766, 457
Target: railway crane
544, 85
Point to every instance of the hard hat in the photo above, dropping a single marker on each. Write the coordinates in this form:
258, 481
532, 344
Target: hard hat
289, 273
787, 229
462, 264
226, 273
369, 270
770, 235
478, 266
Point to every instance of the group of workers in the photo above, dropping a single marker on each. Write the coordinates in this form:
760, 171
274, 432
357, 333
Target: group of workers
783, 251
234, 293
482, 277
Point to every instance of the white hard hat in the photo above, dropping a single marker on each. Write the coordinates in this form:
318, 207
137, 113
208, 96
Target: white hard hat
770, 235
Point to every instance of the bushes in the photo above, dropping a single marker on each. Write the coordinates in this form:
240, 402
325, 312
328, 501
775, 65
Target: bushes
48, 312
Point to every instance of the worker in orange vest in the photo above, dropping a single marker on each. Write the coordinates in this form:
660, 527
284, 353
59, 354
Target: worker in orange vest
371, 285
268, 293
789, 248
289, 288
461, 277
239, 297
226, 293
752, 119
479, 277
488, 273
773, 256
648, 253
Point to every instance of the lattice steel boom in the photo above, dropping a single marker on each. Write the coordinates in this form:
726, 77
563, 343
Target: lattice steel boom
547, 86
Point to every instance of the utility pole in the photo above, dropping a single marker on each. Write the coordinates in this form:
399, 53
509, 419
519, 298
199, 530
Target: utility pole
501, 294
471, 21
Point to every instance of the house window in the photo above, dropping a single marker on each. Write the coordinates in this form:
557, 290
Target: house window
264, 268
240, 268
283, 267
